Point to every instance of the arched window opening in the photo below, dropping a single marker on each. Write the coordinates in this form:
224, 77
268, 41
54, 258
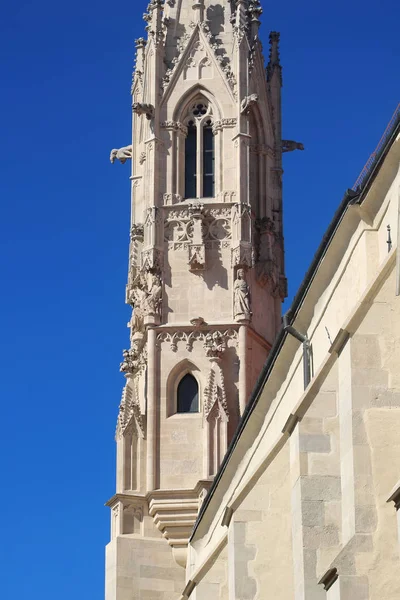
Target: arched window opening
188, 395
199, 152
208, 160
191, 161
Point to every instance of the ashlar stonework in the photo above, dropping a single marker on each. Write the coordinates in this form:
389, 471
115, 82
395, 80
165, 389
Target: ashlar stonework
206, 273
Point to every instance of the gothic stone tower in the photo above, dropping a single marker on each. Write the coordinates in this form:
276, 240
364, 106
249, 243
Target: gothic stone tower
206, 272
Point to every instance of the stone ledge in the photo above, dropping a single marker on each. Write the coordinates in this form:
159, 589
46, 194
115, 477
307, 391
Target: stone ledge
395, 496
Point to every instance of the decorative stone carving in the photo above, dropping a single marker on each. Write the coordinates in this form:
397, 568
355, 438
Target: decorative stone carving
243, 255
242, 310
190, 337
152, 260
137, 232
123, 154
180, 227
146, 294
215, 394
129, 409
197, 251
175, 126
170, 199
290, 146
144, 109
222, 123
130, 364
215, 344
247, 103
197, 257
226, 196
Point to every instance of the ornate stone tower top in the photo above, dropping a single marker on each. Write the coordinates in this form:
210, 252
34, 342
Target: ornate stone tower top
206, 268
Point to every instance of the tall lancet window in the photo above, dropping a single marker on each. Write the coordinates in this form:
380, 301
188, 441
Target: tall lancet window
191, 161
188, 395
200, 152
208, 160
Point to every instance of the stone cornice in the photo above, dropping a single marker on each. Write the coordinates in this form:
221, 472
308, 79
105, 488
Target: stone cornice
395, 496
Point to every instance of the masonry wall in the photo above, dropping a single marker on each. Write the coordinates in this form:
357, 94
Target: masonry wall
341, 433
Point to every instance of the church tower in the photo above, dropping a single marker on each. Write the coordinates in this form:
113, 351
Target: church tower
206, 273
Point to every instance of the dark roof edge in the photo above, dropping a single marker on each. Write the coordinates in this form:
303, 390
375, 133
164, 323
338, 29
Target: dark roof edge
350, 198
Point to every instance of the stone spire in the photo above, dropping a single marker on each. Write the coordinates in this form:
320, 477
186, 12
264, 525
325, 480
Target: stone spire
206, 276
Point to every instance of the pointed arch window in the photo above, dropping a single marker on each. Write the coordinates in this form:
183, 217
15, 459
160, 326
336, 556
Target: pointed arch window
188, 395
200, 152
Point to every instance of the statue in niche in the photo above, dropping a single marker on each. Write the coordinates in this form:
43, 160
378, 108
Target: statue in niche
146, 299
242, 309
152, 301
123, 154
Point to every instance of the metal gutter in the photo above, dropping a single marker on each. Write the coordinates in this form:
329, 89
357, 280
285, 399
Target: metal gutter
350, 198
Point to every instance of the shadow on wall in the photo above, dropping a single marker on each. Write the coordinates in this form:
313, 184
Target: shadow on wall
216, 18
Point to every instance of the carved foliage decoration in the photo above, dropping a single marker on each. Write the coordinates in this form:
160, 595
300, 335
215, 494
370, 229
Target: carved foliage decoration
199, 64
129, 409
216, 224
190, 337
215, 394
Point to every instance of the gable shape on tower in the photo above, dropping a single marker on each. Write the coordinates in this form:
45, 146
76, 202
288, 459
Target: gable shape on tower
192, 54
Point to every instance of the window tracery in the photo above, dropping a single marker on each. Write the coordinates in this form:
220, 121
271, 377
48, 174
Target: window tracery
199, 151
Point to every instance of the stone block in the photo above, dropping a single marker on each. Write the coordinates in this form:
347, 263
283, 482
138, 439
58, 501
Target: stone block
323, 465
354, 588
315, 443
320, 487
247, 516
320, 537
366, 519
369, 376
313, 513
311, 426
333, 514
156, 585
323, 406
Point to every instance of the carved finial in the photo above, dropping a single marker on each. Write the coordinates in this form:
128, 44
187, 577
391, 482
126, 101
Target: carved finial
274, 38
255, 12
274, 59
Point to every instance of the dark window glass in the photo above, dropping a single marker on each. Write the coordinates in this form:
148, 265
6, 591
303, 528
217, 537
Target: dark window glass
188, 395
208, 161
191, 161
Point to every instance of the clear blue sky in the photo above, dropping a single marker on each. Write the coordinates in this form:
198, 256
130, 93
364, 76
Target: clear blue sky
65, 73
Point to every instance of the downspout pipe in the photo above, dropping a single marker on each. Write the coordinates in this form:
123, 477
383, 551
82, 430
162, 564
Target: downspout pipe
306, 348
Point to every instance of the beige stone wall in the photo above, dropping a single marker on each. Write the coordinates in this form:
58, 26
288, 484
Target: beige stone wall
263, 528
215, 583
142, 569
343, 432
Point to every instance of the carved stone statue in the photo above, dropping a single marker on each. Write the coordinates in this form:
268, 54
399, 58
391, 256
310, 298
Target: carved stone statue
123, 154
144, 109
247, 103
242, 309
146, 298
152, 302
